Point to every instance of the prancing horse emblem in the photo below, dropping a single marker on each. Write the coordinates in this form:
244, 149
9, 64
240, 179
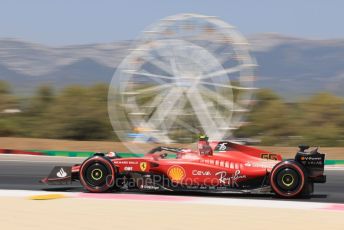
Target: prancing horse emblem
143, 166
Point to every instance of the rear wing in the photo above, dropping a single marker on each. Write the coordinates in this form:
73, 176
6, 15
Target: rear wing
313, 161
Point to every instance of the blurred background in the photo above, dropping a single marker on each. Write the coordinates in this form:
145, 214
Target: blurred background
57, 61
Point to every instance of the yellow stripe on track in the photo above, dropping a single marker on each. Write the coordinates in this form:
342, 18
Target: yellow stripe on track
47, 197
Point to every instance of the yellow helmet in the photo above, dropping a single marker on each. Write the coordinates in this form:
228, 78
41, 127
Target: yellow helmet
203, 137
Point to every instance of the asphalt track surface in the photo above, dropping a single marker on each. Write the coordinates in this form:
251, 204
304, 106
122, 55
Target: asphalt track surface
24, 173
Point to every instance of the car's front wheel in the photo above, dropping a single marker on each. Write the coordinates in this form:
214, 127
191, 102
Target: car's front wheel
288, 179
97, 174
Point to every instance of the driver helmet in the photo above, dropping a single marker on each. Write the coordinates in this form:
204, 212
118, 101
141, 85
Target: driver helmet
203, 138
111, 154
203, 145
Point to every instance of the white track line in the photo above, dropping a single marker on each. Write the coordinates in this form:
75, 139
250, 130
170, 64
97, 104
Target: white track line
334, 167
261, 203
26, 193
278, 204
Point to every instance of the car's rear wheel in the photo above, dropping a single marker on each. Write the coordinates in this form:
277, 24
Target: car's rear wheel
97, 174
288, 179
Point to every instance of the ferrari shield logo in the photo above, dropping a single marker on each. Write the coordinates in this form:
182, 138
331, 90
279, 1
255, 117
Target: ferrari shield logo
143, 166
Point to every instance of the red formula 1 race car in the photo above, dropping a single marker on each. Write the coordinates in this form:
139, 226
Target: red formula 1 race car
227, 168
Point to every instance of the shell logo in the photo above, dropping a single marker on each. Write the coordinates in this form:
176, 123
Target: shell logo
176, 173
